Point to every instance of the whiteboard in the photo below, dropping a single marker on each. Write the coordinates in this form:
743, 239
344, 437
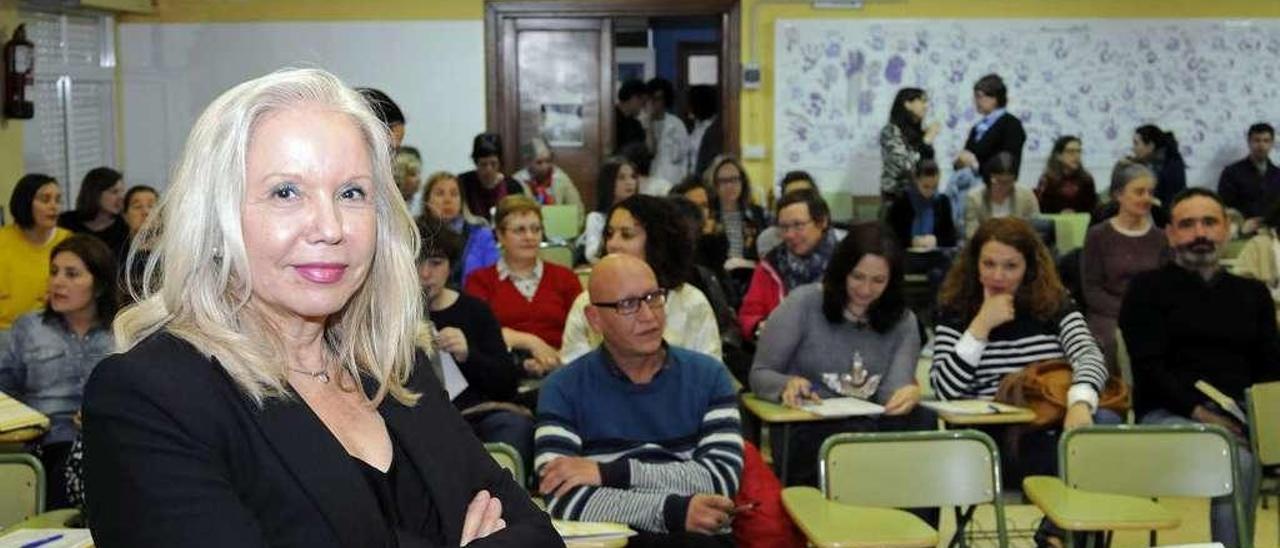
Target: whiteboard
170, 72
1099, 79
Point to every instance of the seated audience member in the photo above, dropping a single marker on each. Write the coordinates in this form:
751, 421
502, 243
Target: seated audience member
52, 352
736, 212
999, 197
770, 237
98, 207
922, 220
850, 336
615, 183
529, 296
407, 170
387, 112
1191, 321
713, 246
639, 431
138, 203
1118, 249
1159, 150
667, 133
445, 201
808, 243
476, 369
27, 242
1258, 258
649, 228
1252, 185
485, 185
1066, 186
641, 159
1002, 308
546, 182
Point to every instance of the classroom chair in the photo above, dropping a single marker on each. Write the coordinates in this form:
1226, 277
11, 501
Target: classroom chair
841, 206
867, 208
1264, 424
1109, 474
561, 223
557, 254
1069, 230
508, 458
867, 477
1126, 371
22, 485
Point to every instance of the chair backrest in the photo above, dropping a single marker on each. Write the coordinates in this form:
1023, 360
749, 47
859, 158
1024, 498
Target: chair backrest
1186, 460
867, 208
558, 254
1264, 422
561, 222
507, 457
1069, 230
911, 469
22, 488
840, 204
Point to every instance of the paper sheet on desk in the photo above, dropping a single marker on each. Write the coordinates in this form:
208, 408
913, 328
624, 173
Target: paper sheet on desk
969, 407
71, 538
595, 530
844, 407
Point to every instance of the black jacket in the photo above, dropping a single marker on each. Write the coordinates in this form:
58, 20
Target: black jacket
1006, 134
902, 215
177, 455
1251, 193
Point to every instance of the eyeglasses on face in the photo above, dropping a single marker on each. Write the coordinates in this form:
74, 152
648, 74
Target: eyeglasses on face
795, 226
655, 299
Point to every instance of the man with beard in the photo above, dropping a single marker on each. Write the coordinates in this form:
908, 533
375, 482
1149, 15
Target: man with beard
1192, 320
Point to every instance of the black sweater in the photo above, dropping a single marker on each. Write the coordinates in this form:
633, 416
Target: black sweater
1005, 135
490, 372
1180, 329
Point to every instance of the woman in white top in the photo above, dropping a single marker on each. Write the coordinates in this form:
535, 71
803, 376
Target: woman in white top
1000, 196
617, 182
651, 229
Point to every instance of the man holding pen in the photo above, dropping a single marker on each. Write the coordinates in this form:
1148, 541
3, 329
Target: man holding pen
638, 431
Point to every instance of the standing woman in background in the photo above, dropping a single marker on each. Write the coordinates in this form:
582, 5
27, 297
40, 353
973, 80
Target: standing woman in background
52, 352
734, 206
1066, 186
1118, 249
98, 208
996, 131
904, 141
1159, 150
24, 264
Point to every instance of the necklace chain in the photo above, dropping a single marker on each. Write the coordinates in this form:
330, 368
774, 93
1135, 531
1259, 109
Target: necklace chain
321, 375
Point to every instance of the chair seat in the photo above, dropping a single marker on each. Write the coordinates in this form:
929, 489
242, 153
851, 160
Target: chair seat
1076, 510
832, 524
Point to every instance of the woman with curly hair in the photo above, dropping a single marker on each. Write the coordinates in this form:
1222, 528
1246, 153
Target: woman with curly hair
1002, 308
650, 228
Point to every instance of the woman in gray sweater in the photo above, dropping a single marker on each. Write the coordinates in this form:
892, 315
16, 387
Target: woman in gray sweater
821, 335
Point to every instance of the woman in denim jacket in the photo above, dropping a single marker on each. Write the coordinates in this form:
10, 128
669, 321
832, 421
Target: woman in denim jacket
51, 352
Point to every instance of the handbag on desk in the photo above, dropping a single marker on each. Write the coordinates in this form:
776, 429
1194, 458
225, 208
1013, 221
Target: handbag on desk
1043, 386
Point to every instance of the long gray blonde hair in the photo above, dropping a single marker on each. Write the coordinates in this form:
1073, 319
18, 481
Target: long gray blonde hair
197, 285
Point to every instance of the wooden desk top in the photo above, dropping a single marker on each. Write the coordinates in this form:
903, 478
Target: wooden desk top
773, 412
832, 524
1076, 510
1008, 414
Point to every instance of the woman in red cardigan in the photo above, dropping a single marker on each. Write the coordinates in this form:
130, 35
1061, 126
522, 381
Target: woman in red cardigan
531, 298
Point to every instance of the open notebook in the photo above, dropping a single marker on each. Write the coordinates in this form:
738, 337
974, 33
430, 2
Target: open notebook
15, 415
843, 407
591, 530
52, 538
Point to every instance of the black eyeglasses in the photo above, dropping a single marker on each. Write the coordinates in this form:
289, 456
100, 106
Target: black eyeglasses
655, 299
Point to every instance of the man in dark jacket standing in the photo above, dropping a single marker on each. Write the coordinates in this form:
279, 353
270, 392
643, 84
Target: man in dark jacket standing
1252, 185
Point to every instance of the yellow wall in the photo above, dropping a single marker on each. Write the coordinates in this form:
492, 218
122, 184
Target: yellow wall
757, 105
230, 11
10, 130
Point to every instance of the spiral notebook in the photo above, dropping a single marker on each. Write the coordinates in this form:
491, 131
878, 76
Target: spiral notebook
15, 415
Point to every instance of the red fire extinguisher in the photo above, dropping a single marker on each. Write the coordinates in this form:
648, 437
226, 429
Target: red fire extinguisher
19, 74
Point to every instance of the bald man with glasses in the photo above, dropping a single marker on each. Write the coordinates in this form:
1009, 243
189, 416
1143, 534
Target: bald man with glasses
638, 431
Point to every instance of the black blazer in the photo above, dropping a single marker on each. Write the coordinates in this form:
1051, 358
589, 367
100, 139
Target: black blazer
1005, 135
177, 455
902, 214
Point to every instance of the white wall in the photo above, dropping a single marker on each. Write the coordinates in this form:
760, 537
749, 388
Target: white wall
169, 72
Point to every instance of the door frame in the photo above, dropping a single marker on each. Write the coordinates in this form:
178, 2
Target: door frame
499, 30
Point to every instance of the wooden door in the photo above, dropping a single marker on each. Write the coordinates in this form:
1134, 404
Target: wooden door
556, 85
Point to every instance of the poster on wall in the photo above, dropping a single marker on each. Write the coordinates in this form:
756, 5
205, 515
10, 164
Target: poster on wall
562, 124
1099, 79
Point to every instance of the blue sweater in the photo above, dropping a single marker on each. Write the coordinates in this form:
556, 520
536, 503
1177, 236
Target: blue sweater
658, 444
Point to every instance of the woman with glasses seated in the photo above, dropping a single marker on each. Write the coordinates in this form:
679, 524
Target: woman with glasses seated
530, 297
849, 336
650, 229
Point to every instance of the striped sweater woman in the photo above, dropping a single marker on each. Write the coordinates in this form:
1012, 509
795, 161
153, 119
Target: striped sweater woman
1002, 308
